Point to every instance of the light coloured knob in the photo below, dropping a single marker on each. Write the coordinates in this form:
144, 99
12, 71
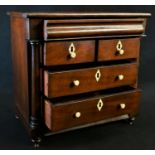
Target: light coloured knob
73, 55
76, 82
120, 77
122, 105
77, 114
121, 52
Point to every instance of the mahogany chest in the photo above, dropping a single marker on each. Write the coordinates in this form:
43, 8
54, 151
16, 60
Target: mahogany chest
74, 70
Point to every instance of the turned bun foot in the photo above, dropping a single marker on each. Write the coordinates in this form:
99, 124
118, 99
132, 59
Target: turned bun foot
36, 142
16, 116
131, 120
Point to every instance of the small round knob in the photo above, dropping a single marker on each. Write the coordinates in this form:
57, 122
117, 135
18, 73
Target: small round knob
76, 82
77, 114
120, 77
73, 55
121, 52
122, 105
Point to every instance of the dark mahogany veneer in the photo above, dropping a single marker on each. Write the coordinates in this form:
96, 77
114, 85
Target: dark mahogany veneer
56, 53
54, 83
61, 115
74, 70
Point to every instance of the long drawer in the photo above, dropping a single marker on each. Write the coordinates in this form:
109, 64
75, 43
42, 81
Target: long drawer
91, 79
62, 115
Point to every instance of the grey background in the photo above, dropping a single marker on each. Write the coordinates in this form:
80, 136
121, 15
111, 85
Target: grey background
117, 135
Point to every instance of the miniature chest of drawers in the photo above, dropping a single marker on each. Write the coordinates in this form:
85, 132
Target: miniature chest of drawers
74, 70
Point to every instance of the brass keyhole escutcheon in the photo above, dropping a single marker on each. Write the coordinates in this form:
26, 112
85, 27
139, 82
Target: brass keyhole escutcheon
98, 75
119, 48
100, 104
72, 50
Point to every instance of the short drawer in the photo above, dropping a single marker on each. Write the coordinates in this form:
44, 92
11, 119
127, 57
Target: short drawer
69, 52
59, 116
86, 80
118, 49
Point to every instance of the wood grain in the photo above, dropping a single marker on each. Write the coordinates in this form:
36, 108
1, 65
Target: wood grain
92, 29
86, 15
39, 50
57, 53
20, 65
61, 83
78, 14
107, 49
61, 115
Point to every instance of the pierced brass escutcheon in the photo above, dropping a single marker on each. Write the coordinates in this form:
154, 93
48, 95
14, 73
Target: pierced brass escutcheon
98, 75
100, 104
72, 50
119, 48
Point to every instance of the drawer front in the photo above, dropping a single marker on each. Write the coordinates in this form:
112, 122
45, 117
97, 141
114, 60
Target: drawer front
69, 52
87, 80
67, 115
118, 49
93, 27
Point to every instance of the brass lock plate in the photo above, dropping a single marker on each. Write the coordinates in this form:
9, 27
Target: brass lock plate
72, 50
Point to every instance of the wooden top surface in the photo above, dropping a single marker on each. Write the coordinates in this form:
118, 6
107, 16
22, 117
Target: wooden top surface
79, 14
